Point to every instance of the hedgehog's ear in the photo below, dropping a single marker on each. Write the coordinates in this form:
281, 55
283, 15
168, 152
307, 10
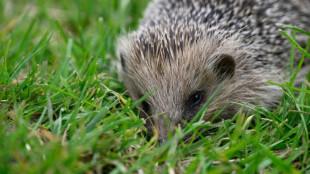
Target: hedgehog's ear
224, 66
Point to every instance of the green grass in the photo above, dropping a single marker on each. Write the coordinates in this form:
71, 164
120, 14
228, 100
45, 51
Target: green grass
62, 109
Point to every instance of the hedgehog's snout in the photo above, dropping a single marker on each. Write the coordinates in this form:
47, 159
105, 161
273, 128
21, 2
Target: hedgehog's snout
164, 125
162, 141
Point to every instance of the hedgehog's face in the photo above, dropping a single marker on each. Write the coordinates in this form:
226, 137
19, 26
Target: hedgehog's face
183, 81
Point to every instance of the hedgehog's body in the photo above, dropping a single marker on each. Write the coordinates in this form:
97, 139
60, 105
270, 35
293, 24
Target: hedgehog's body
186, 48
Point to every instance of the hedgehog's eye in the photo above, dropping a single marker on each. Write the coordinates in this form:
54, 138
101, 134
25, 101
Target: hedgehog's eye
195, 99
123, 63
146, 107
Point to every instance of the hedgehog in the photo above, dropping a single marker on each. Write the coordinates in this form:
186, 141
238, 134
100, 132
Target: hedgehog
184, 50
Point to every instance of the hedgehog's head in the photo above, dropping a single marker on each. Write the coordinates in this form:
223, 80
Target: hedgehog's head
184, 66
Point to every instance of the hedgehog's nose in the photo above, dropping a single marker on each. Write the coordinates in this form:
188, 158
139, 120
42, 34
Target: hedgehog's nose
162, 141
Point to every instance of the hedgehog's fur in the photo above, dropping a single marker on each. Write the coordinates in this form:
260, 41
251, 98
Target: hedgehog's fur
185, 46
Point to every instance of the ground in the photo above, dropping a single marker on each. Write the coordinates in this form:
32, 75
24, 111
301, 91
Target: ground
63, 110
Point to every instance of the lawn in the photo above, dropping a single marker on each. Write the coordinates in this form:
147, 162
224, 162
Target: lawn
63, 110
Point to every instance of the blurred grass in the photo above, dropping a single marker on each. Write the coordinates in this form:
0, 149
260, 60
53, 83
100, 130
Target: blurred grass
63, 110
